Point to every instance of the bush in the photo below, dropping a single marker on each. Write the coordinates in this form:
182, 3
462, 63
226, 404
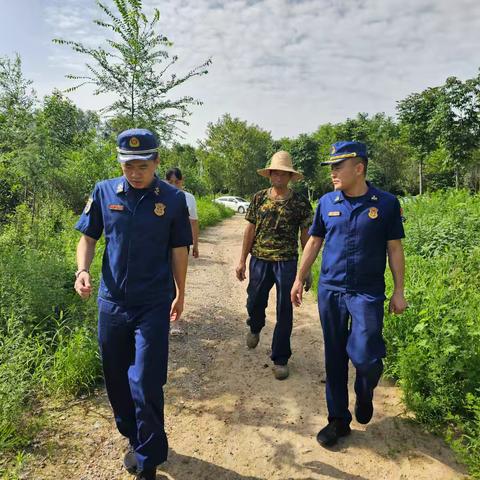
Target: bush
434, 347
20, 356
210, 213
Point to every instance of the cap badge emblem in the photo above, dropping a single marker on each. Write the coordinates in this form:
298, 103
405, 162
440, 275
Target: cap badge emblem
134, 142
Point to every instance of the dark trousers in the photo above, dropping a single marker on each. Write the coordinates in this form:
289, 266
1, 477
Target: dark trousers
134, 348
262, 276
352, 329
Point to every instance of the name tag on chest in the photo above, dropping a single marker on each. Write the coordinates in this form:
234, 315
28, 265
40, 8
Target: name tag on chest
335, 213
118, 208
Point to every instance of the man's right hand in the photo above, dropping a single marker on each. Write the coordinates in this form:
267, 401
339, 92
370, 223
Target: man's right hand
82, 285
240, 271
296, 294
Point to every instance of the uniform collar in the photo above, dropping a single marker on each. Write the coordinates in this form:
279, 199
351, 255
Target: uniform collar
123, 186
371, 195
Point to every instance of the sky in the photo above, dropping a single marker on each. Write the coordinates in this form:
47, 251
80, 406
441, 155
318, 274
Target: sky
287, 66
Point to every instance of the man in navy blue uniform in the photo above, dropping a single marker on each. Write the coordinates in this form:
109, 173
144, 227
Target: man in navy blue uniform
360, 226
147, 230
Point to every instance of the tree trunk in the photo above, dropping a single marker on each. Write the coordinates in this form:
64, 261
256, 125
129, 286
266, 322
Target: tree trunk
420, 176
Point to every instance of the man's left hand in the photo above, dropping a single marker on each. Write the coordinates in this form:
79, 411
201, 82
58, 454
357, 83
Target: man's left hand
177, 309
195, 253
398, 304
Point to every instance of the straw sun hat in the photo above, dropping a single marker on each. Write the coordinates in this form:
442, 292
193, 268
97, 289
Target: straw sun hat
281, 161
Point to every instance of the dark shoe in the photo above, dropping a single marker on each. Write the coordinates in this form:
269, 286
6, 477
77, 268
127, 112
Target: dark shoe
252, 339
280, 371
363, 411
130, 461
147, 474
329, 435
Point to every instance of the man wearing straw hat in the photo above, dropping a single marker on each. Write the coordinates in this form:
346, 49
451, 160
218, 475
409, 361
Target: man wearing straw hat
275, 216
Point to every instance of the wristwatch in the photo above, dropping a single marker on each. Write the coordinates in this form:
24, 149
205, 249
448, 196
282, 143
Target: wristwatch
78, 272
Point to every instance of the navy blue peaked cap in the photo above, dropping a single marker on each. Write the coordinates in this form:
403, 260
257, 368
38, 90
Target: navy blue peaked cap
340, 151
136, 144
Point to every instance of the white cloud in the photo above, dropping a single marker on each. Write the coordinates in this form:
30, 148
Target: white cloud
289, 65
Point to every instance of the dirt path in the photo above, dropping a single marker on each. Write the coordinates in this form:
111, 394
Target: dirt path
228, 418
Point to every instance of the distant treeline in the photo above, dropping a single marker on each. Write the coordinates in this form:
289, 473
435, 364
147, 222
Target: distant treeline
51, 150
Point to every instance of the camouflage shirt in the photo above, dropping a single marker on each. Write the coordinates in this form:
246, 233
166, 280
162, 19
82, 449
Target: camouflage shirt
277, 223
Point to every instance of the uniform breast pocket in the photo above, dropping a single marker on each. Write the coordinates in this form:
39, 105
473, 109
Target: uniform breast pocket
372, 223
116, 220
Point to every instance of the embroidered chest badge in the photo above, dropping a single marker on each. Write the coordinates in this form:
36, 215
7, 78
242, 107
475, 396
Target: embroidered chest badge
334, 214
373, 212
118, 208
159, 209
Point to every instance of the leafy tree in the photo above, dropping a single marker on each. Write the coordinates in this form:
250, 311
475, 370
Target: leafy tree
304, 151
235, 150
456, 121
415, 113
128, 68
17, 102
17, 130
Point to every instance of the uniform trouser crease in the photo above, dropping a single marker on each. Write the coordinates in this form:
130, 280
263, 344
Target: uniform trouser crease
134, 349
352, 329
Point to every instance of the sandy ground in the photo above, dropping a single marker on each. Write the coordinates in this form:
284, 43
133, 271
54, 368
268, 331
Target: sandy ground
227, 417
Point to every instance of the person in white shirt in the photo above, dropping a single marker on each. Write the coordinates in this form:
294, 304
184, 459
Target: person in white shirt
174, 177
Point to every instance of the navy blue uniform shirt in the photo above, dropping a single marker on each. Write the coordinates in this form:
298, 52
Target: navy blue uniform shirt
140, 227
356, 232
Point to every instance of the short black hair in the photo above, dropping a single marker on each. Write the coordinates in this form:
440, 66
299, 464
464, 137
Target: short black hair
365, 164
175, 171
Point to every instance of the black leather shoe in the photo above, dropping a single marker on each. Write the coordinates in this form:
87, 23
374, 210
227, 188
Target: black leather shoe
130, 461
147, 474
363, 411
329, 435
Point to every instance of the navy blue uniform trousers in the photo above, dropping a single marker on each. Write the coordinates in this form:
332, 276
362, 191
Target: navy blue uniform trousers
134, 348
263, 275
352, 329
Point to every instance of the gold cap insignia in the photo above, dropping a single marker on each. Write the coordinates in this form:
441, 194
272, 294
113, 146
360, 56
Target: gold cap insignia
88, 205
134, 142
159, 209
373, 212
333, 150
